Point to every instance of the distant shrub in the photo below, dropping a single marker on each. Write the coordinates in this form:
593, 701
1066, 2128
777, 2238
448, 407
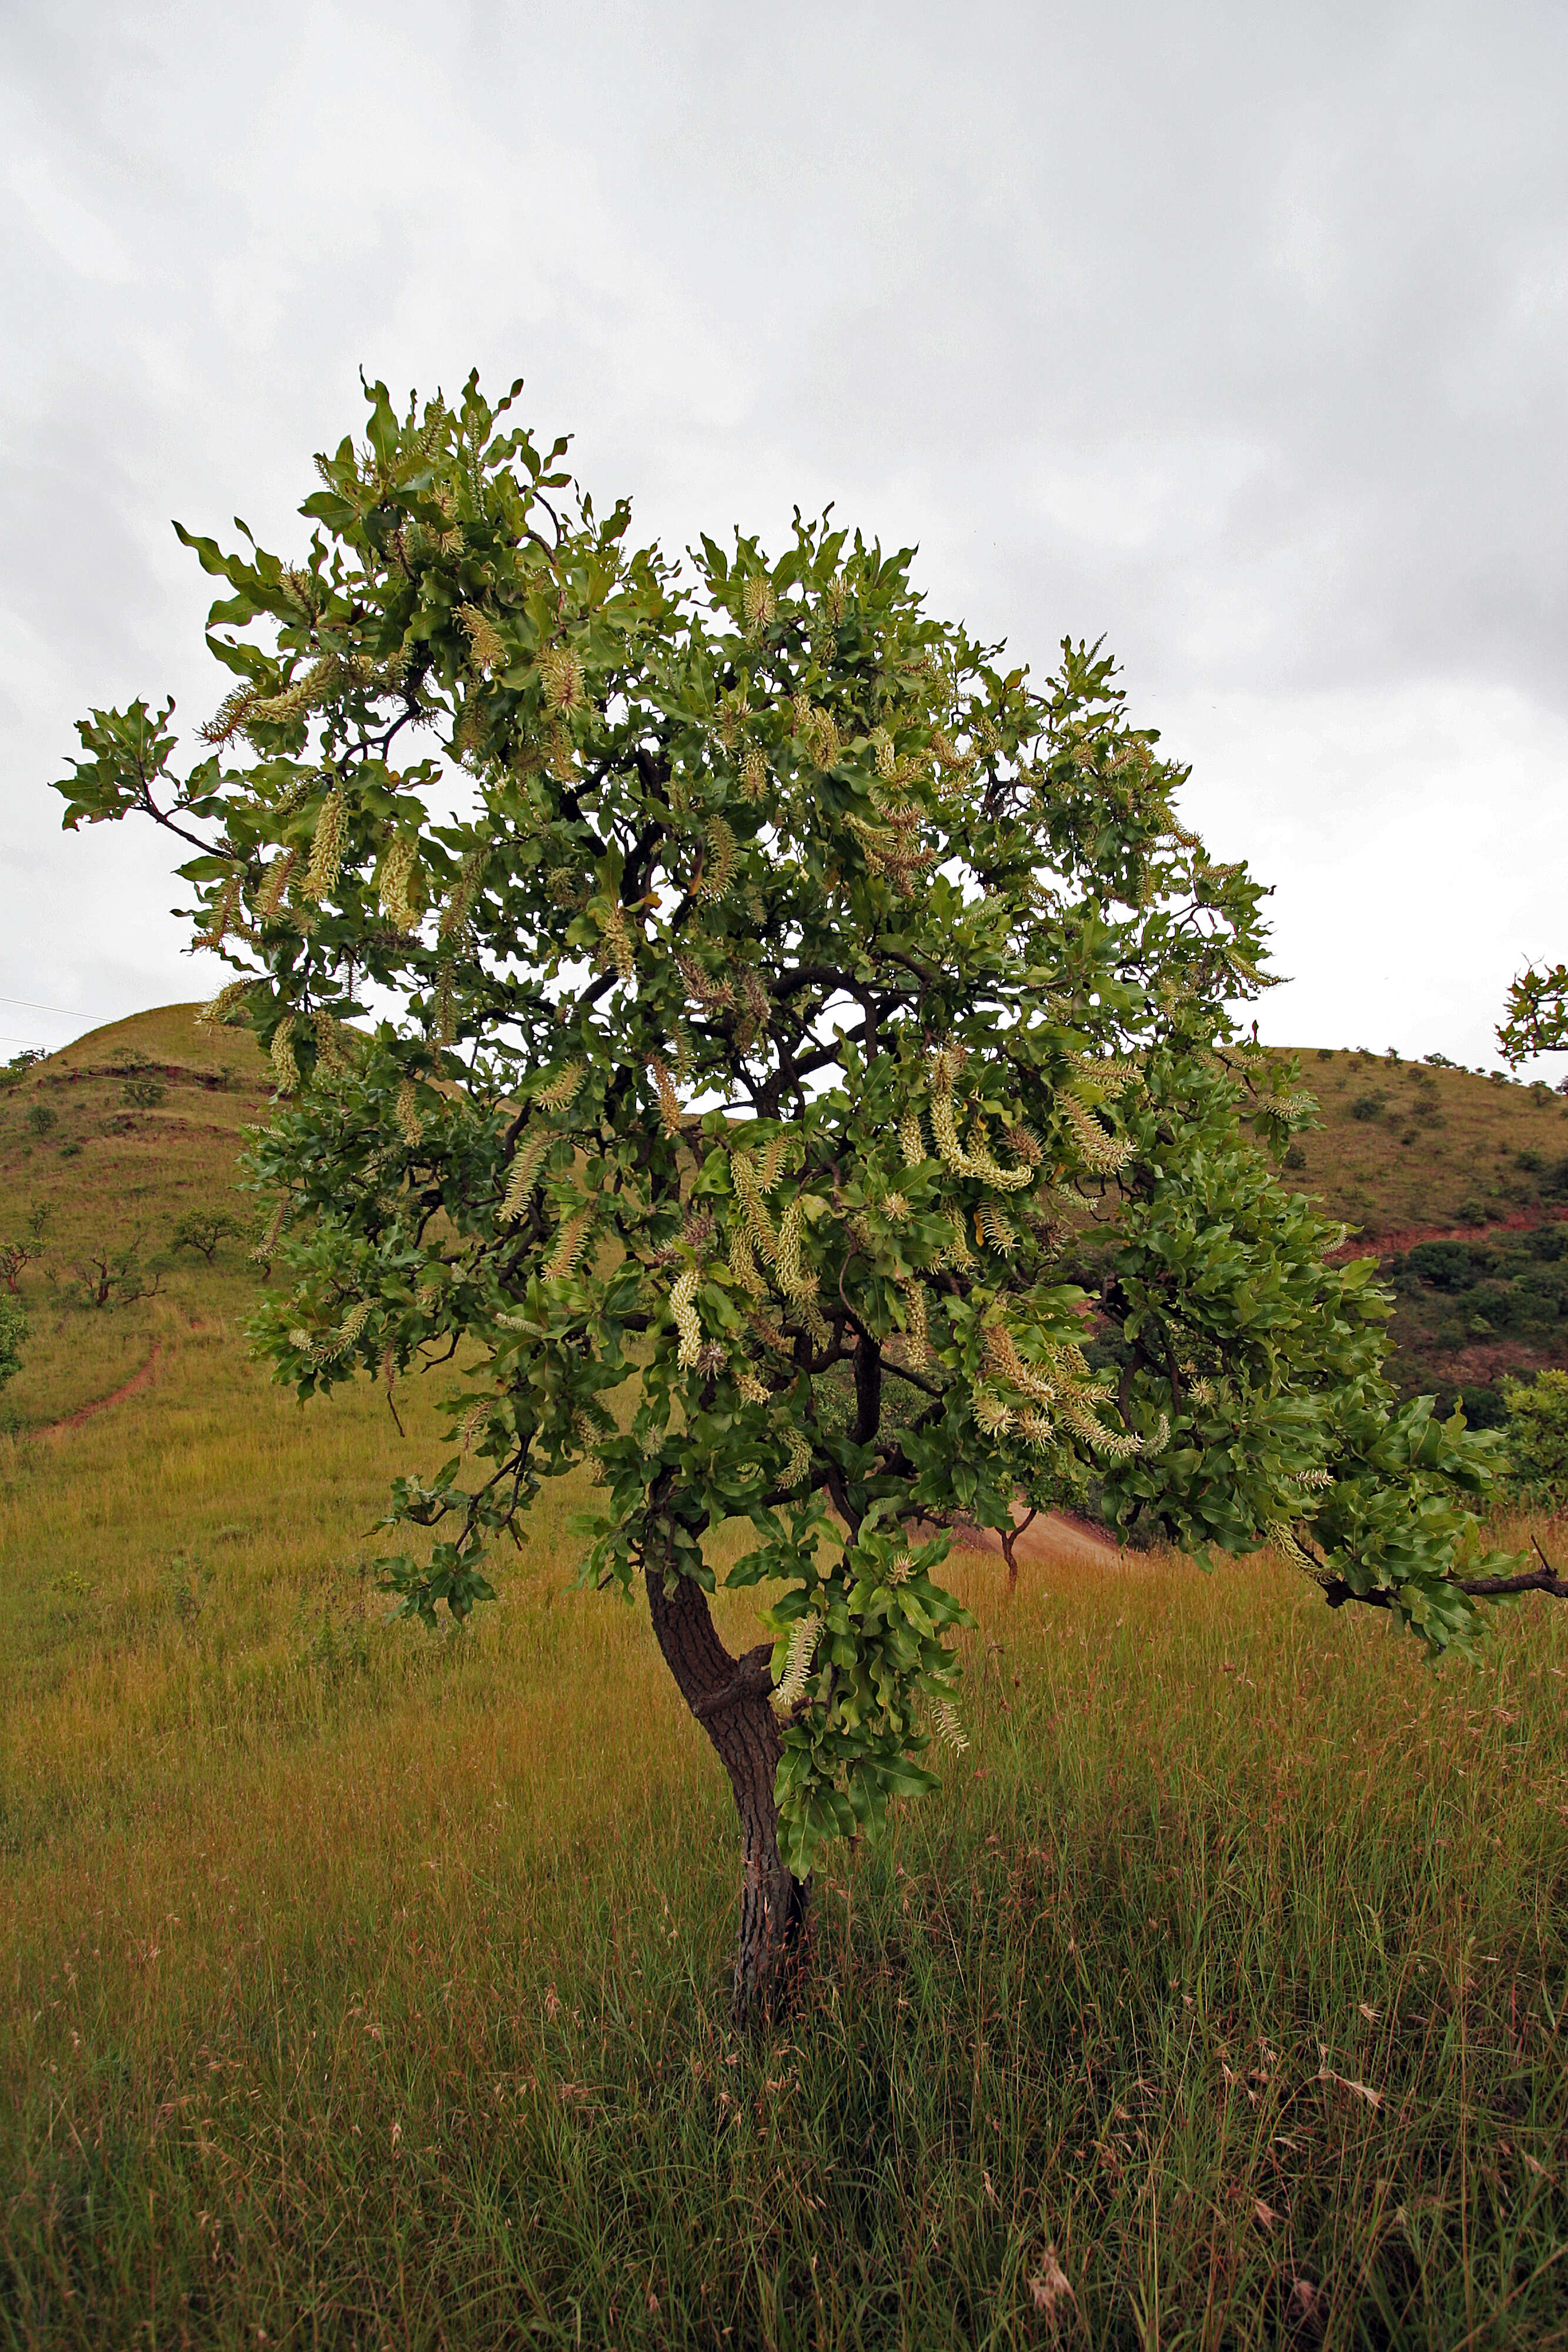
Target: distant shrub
144, 1093
70, 1150
1325, 1053
1296, 1156
1446, 1266
1441, 1062
202, 1230
1370, 1106
1482, 1407
12, 1331
1472, 1211
1537, 1431
16, 1069
1530, 1161
42, 1117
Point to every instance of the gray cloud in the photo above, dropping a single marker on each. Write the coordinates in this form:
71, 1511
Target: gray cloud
1236, 334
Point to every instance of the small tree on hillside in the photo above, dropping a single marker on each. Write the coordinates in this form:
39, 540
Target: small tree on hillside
25, 1249
784, 991
203, 1231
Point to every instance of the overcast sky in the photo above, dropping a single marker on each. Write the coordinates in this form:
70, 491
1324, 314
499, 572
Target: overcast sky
1237, 334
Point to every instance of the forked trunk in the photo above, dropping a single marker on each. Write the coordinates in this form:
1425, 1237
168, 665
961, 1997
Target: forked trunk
730, 1698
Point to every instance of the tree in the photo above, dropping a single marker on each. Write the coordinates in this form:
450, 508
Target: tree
23, 1251
105, 1278
811, 1043
1538, 1438
202, 1230
1536, 1019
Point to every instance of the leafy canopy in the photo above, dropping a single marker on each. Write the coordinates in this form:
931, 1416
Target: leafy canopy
781, 1040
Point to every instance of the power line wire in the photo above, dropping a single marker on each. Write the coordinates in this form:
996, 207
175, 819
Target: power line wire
30, 1005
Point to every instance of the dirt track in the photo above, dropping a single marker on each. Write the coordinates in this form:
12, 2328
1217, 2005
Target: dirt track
139, 1379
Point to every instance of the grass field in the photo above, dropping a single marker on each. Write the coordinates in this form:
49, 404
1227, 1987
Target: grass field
363, 1987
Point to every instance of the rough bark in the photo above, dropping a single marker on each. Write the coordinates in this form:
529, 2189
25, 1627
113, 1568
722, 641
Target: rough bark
730, 1698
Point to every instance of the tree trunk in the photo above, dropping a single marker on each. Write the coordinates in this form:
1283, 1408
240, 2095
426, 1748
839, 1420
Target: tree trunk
730, 1698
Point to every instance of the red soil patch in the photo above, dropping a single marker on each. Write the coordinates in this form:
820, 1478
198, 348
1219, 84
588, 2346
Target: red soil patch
1524, 1220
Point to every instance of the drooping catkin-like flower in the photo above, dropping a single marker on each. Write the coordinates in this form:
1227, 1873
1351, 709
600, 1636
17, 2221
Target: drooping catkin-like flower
798, 1658
560, 673
794, 1278
945, 1065
1282, 1542
992, 1413
669, 1100
475, 1419
753, 776
1120, 1444
1100, 1153
275, 882
464, 890
743, 1265
224, 1005
489, 652
1001, 1350
759, 604
911, 1142
798, 1466
303, 694
406, 1111
224, 908
1034, 1428
568, 1245
396, 889
949, 1728
682, 1293
562, 1091
615, 942
881, 747
718, 864
531, 1152
327, 848
956, 1252
821, 737
757, 1008
349, 1330
770, 1334
1000, 1231
261, 1254
283, 1061
751, 1388
334, 1046
916, 1325
444, 1007
229, 717
747, 1179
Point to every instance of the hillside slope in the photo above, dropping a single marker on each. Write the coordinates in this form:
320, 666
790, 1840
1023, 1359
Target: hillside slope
1461, 1184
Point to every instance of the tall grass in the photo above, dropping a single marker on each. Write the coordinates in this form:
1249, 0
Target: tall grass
367, 1988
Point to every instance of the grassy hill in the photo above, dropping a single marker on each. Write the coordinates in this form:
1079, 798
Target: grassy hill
1461, 1184
365, 1986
